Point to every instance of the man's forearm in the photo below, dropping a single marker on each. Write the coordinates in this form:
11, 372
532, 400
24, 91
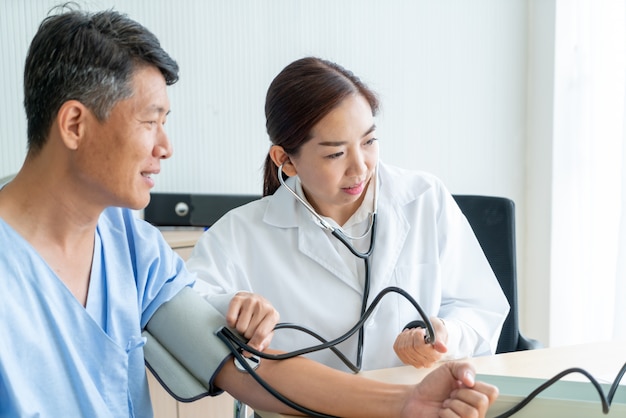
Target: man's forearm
315, 387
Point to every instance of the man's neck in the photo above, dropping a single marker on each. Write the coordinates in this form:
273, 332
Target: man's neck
49, 218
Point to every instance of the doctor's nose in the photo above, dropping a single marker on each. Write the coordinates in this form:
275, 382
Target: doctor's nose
357, 165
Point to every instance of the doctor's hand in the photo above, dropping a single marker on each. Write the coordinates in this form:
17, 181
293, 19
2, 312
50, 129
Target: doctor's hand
411, 348
451, 391
254, 317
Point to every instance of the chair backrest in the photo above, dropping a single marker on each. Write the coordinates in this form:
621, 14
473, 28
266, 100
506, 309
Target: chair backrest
493, 221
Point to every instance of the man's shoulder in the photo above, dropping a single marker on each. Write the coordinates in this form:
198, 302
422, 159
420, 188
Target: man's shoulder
122, 227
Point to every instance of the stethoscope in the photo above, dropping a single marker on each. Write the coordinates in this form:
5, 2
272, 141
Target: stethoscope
344, 238
248, 364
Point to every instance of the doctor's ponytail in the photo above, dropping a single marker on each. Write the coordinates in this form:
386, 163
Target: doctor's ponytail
270, 177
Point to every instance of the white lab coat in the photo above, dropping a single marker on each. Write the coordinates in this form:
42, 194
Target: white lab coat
424, 245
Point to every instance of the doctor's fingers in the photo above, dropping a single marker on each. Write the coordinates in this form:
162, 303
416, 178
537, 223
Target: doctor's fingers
415, 339
253, 317
412, 350
249, 310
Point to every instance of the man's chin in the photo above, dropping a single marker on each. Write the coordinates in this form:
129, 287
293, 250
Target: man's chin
138, 203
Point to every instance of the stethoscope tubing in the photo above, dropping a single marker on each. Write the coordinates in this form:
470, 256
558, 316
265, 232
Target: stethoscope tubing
237, 345
242, 345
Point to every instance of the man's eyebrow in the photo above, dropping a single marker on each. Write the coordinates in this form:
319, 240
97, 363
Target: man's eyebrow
340, 143
158, 109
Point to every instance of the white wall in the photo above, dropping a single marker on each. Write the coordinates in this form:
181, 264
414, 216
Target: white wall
452, 76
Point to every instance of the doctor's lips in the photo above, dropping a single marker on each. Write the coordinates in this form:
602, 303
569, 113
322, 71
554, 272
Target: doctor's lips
356, 189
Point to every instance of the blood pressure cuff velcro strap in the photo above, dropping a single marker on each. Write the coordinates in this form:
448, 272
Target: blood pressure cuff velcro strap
182, 350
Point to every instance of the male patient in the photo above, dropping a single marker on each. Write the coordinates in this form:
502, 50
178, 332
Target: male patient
81, 277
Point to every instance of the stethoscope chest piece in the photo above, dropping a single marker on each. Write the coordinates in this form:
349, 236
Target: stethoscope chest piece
253, 362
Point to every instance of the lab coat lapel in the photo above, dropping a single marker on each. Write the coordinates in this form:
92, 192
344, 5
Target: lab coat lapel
285, 211
315, 243
392, 231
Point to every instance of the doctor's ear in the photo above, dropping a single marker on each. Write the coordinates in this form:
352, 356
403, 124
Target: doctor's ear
279, 156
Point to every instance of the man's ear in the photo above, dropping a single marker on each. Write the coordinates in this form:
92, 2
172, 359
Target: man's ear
279, 156
72, 119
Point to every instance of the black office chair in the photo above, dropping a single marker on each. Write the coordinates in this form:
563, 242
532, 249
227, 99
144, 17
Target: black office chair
493, 221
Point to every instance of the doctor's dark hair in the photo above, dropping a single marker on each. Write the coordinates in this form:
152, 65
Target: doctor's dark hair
298, 98
89, 57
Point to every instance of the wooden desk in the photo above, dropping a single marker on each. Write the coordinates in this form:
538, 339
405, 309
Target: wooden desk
602, 360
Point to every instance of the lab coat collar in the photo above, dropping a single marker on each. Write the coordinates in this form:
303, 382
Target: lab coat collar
394, 189
283, 210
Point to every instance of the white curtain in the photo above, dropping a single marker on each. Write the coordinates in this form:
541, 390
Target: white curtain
588, 274
619, 326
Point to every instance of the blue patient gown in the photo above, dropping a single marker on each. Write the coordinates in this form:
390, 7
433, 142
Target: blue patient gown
59, 359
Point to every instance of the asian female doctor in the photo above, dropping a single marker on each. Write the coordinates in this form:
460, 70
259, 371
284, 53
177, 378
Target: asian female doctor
323, 174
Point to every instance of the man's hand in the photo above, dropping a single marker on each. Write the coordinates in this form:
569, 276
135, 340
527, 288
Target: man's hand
253, 317
451, 391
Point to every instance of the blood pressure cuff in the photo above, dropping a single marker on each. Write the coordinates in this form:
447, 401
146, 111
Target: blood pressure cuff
182, 350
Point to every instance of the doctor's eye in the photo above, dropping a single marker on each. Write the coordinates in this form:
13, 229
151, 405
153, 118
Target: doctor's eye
334, 156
